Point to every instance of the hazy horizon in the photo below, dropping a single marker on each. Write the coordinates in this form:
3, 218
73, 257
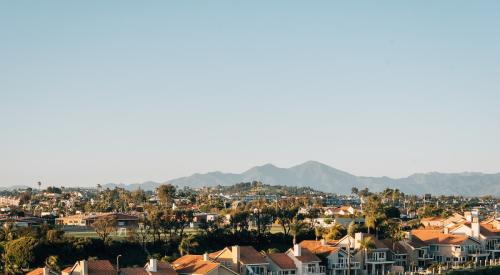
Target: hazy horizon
95, 92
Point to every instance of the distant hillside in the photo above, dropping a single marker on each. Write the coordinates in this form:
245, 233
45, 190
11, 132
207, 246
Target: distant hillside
325, 178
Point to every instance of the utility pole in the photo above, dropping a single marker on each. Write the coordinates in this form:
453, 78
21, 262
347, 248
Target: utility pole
118, 263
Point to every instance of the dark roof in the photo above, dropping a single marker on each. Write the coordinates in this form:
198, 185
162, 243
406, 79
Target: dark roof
282, 260
306, 256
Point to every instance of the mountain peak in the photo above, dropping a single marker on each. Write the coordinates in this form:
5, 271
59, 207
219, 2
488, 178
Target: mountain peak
322, 177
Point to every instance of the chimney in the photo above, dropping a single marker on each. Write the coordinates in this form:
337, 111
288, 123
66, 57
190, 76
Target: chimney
84, 265
358, 236
446, 230
410, 236
153, 265
205, 256
475, 227
236, 250
322, 242
297, 251
46, 271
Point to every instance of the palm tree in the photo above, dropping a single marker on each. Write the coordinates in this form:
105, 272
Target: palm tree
352, 228
365, 245
296, 227
395, 232
186, 244
370, 221
317, 232
334, 231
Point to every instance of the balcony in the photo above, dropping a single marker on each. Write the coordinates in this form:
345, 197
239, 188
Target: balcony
493, 247
378, 259
425, 256
354, 265
308, 270
477, 252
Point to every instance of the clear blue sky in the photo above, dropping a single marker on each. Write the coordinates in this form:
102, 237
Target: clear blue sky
128, 91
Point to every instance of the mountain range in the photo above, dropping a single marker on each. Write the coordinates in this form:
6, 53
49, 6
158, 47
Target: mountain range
325, 178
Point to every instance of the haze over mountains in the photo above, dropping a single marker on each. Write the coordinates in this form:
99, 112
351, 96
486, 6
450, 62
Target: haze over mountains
325, 178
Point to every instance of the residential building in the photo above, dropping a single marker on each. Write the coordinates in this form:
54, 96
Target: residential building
339, 260
376, 260
244, 260
153, 267
281, 264
200, 265
448, 248
90, 267
307, 263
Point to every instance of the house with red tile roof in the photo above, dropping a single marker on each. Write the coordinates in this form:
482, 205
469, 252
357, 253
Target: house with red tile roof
42, 271
244, 260
307, 263
153, 267
338, 259
281, 264
200, 264
90, 267
486, 232
445, 247
377, 260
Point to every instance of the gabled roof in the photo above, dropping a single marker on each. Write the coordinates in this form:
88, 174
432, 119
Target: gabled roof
133, 271
193, 264
94, 267
317, 248
306, 256
101, 267
282, 260
39, 271
395, 247
489, 230
248, 255
431, 219
162, 268
438, 237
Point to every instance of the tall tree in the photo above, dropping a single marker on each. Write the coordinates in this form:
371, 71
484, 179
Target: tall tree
365, 245
104, 226
296, 227
166, 193
188, 242
18, 254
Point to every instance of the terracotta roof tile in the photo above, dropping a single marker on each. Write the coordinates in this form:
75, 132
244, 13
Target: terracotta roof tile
193, 264
248, 255
438, 237
282, 260
133, 271
39, 271
317, 248
100, 267
306, 256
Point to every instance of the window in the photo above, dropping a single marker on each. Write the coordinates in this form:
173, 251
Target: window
434, 247
259, 270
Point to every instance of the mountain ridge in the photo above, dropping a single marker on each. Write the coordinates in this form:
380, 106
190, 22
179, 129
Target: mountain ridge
322, 177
